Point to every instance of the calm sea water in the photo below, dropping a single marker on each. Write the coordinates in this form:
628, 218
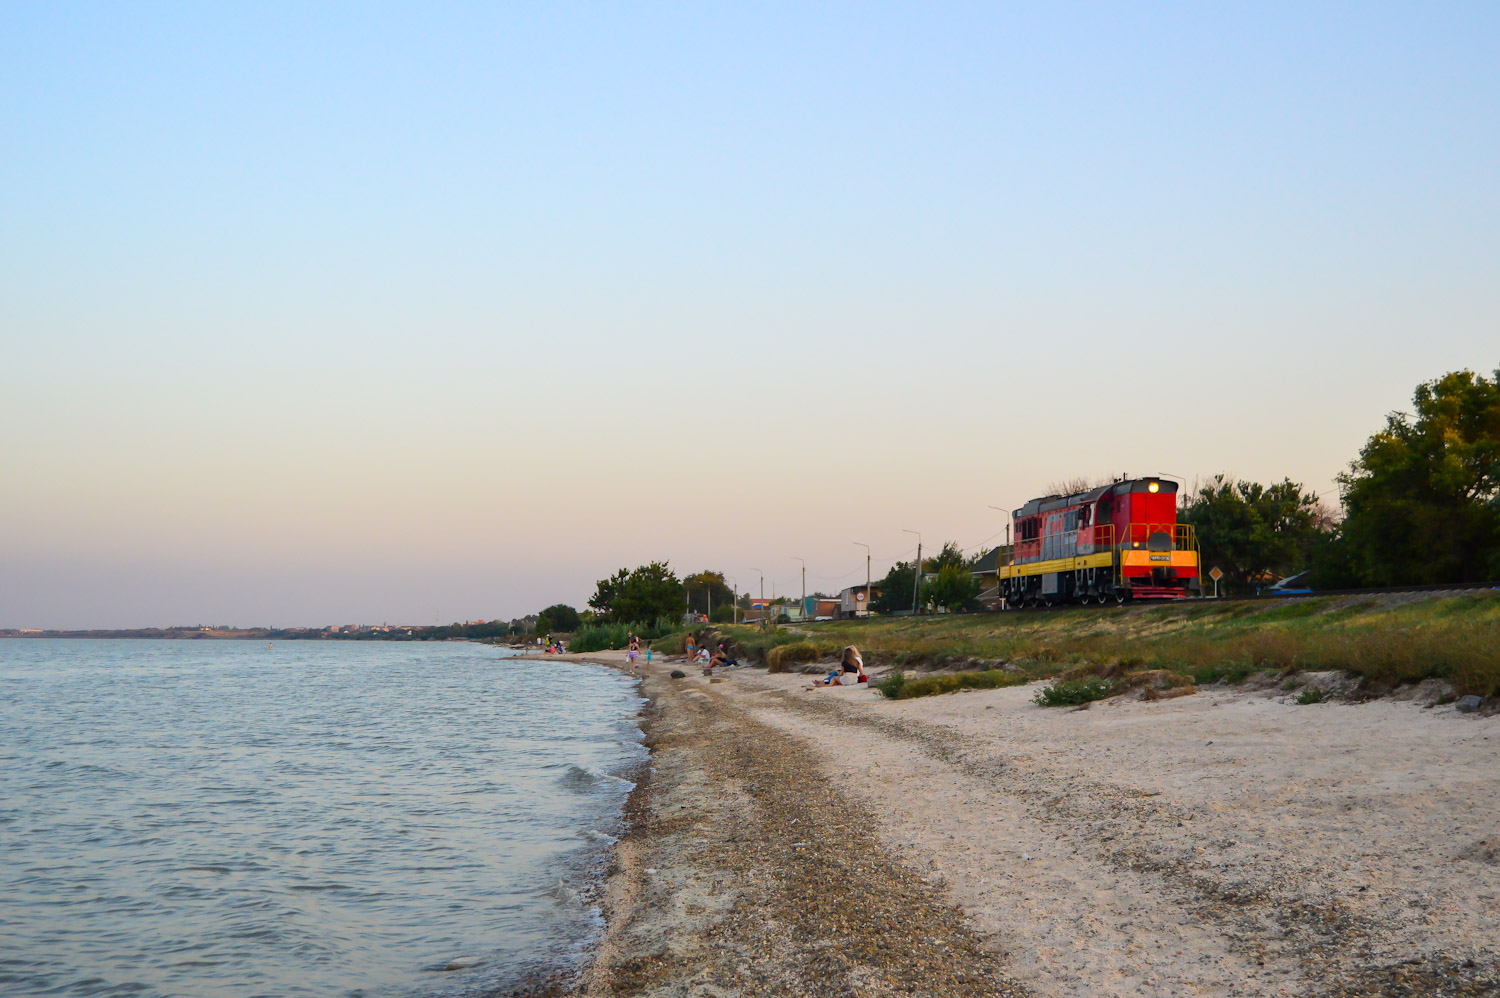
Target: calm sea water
214, 818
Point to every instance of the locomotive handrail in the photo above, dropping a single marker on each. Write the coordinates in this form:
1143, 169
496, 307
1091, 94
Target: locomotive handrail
1184, 538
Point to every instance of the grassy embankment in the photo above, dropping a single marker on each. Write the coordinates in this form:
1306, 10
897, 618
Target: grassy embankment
1385, 640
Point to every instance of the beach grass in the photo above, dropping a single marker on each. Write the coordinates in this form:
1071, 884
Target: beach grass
1386, 640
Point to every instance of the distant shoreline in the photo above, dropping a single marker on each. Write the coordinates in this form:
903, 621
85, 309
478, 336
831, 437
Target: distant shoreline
255, 634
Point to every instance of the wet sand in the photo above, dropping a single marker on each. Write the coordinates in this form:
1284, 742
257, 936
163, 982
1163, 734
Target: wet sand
830, 842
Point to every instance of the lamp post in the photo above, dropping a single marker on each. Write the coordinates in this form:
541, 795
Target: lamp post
916, 585
1007, 524
999, 557
804, 586
867, 577
764, 610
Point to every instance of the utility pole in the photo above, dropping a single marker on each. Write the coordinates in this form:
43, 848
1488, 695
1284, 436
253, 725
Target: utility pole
916, 585
734, 599
867, 576
804, 586
764, 610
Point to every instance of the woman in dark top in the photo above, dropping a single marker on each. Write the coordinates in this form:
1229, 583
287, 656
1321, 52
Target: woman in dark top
851, 670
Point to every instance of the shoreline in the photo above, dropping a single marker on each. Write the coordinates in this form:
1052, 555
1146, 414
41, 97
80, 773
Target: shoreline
832, 842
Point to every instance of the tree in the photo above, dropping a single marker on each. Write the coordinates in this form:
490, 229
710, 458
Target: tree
895, 589
559, 617
1422, 501
1248, 530
954, 588
646, 594
951, 554
605, 591
706, 590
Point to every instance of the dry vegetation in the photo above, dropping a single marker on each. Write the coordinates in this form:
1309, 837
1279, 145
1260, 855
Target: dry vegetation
1385, 640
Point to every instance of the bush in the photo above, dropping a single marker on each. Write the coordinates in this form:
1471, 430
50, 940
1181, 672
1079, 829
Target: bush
778, 658
723, 614
892, 686
1311, 694
1071, 692
897, 686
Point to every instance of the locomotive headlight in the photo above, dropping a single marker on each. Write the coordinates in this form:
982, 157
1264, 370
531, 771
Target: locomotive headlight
1154, 487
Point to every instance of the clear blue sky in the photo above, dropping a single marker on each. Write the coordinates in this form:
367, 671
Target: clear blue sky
335, 313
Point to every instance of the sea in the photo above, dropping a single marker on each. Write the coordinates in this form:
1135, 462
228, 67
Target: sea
232, 819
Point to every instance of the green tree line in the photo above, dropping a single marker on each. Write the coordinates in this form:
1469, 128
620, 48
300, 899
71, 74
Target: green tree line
1420, 504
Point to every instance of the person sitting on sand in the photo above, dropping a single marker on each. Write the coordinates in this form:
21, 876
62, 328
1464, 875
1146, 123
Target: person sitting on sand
851, 670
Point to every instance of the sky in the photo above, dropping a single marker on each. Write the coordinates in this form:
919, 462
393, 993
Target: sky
349, 313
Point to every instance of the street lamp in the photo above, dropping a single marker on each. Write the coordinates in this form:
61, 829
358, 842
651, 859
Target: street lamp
916, 584
1007, 522
764, 611
867, 575
804, 586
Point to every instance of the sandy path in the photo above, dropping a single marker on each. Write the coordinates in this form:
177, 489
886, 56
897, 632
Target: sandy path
746, 874
1220, 844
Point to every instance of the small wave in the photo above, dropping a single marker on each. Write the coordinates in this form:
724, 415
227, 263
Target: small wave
579, 778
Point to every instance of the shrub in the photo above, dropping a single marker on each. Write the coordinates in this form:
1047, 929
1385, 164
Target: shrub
897, 686
892, 685
778, 658
1071, 692
1311, 694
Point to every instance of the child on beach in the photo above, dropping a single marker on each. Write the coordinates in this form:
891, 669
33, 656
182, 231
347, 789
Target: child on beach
851, 670
648, 653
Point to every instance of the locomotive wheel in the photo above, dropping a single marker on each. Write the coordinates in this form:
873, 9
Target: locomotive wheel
1101, 598
1119, 598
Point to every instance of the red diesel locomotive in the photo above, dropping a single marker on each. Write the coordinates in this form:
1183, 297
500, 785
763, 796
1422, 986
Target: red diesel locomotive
1112, 543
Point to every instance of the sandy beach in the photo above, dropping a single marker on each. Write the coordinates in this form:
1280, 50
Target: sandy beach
1232, 842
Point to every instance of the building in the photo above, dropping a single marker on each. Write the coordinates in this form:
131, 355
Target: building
820, 607
987, 571
855, 601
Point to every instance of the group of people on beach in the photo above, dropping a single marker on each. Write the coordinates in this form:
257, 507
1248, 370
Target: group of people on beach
849, 672
700, 655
